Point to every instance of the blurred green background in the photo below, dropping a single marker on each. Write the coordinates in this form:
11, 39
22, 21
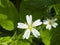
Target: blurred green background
14, 11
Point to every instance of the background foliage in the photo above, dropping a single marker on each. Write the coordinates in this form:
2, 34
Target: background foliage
14, 11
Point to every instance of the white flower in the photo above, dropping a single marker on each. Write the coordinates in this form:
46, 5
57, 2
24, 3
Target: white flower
50, 23
30, 27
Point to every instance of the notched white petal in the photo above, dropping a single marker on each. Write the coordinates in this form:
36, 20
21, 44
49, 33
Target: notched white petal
45, 22
55, 19
26, 34
29, 19
35, 33
37, 23
54, 25
22, 26
48, 27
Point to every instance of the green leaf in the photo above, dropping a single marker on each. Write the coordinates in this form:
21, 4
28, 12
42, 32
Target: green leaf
1, 4
8, 25
57, 9
45, 35
23, 42
20, 42
9, 10
12, 12
3, 17
5, 40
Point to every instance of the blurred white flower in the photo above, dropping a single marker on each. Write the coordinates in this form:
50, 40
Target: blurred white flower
50, 23
30, 27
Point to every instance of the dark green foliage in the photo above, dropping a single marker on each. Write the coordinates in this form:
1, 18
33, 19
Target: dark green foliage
13, 12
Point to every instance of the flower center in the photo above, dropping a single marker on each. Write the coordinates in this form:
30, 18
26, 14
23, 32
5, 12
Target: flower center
30, 27
50, 22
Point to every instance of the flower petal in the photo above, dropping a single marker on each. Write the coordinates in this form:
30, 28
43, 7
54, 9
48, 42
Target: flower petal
48, 27
54, 25
54, 19
37, 23
29, 19
45, 22
35, 33
26, 34
22, 26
